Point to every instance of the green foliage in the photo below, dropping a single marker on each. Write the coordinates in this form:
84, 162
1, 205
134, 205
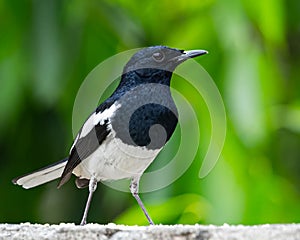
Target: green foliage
48, 47
185, 208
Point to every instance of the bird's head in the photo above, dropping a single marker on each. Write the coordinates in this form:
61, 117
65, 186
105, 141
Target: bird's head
153, 63
160, 57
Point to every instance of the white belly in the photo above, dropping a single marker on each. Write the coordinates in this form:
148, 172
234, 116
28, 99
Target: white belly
115, 160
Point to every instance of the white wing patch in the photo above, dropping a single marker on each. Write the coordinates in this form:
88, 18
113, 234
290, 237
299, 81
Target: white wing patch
75, 141
96, 118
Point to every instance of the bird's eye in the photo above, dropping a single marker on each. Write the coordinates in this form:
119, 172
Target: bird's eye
158, 56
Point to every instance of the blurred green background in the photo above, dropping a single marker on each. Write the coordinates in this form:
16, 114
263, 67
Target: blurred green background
48, 47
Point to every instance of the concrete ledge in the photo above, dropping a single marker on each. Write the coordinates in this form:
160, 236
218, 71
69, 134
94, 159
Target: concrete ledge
178, 232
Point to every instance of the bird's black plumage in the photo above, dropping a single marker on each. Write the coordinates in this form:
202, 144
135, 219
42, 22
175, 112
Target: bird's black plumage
149, 107
162, 120
141, 70
125, 133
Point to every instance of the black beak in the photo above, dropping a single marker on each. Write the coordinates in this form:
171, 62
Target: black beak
189, 54
194, 53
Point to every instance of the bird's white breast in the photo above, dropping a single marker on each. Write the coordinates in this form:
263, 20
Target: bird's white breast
115, 160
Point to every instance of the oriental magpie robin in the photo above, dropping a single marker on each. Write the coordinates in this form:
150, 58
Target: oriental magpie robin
122, 137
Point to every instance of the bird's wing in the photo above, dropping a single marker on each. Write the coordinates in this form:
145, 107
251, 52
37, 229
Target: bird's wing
90, 137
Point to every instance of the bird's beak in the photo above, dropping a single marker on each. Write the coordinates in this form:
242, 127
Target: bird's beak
194, 53
189, 54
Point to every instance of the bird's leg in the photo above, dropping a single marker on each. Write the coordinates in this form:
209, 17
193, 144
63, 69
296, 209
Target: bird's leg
92, 188
134, 189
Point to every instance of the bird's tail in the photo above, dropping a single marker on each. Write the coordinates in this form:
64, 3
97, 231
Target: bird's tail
41, 176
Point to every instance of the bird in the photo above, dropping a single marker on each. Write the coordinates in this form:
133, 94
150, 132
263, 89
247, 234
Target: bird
125, 133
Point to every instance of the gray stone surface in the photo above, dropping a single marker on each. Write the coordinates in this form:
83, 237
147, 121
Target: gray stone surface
177, 232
